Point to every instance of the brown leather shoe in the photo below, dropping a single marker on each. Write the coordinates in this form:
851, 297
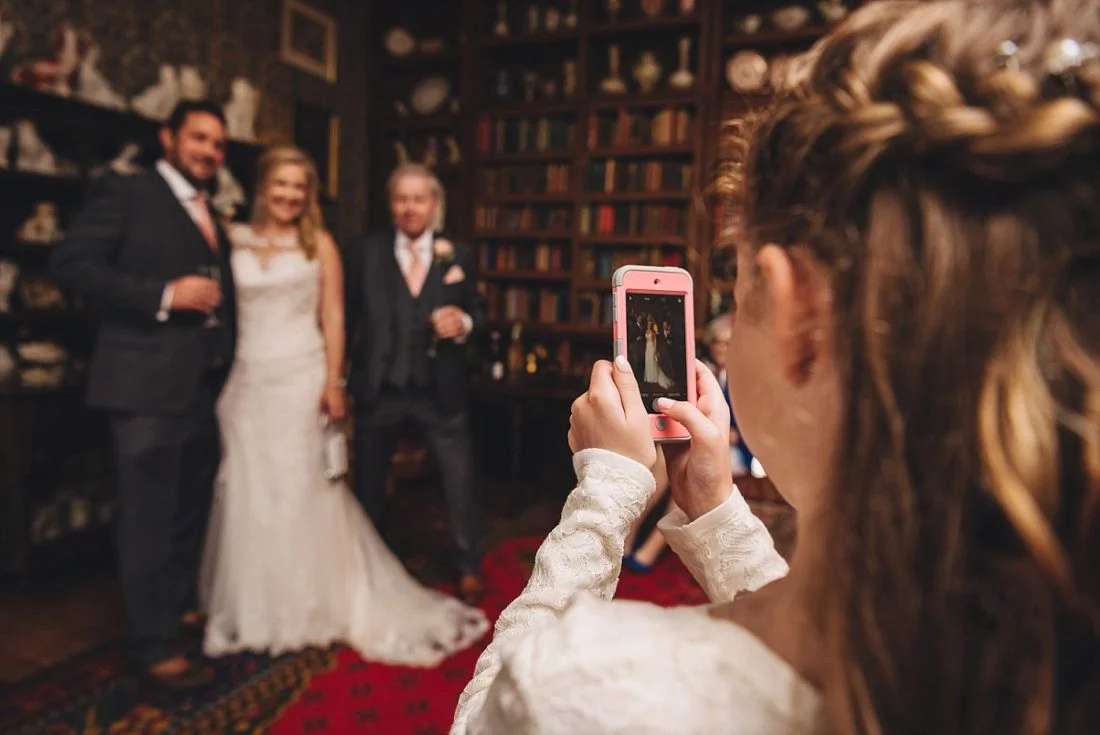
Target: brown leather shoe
189, 678
471, 589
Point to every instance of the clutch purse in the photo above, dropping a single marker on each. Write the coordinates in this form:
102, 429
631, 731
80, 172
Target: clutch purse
334, 447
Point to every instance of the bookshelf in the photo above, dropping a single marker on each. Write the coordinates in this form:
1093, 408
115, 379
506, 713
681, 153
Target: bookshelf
589, 131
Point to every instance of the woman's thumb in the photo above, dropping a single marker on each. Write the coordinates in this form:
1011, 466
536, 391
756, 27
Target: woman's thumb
685, 414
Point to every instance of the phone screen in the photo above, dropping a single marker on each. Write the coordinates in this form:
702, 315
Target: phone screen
656, 345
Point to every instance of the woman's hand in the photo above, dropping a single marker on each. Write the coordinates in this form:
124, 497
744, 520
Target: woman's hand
611, 415
334, 403
699, 473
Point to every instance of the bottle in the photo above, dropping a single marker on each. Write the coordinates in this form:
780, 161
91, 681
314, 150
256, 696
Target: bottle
496, 357
515, 351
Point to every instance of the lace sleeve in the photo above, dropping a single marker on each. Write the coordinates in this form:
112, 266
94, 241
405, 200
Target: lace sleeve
728, 550
583, 553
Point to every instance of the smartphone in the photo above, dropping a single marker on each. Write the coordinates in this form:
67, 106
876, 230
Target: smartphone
654, 316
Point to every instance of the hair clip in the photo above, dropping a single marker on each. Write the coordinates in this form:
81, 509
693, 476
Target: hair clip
1065, 57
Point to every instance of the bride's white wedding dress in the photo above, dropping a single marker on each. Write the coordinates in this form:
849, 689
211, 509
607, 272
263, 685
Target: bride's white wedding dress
291, 559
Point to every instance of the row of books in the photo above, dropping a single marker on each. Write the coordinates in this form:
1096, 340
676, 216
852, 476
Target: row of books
634, 219
550, 178
612, 176
664, 127
543, 257
547, 218
541, 305
601, 262
525, 134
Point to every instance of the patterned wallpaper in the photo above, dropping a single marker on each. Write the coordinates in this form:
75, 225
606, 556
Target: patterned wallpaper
223, 39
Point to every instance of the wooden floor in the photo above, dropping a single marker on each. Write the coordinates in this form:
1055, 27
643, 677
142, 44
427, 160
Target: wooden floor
63, 615
57, 618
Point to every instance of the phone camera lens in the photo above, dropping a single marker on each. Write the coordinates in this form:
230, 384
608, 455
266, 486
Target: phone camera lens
656, 281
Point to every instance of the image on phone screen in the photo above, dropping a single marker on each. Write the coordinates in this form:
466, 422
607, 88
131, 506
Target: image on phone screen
656, 345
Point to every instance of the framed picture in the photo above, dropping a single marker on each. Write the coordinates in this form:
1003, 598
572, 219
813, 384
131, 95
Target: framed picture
309, 40
317, 132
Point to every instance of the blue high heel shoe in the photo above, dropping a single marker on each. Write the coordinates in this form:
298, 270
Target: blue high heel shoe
636, 566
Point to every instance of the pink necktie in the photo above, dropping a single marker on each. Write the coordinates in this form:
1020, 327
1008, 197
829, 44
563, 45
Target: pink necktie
416, 273
205, 221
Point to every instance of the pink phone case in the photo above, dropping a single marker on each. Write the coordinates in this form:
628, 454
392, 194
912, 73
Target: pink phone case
657, 280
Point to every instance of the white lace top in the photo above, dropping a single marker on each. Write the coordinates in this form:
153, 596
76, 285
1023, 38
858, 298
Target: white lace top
566, 659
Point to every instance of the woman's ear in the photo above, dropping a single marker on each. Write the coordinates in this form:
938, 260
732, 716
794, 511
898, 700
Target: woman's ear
795, 302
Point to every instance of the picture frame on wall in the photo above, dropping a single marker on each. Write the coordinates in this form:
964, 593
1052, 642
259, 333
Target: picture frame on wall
309, 40
317, 132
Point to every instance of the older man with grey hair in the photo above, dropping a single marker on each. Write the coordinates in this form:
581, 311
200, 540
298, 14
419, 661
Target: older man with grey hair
412, 303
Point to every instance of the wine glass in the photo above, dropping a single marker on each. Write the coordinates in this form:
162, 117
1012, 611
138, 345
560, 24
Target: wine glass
434, 341
214, 273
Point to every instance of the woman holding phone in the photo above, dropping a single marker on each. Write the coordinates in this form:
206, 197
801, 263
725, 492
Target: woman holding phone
916, 360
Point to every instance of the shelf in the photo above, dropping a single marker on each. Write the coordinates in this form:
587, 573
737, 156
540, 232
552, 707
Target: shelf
527, 156
525, 275
527, 39
523, 235
636, 25
417, 61
622, 151
656, 98
644, 240
564, 330
538, 108
36, 184
435, 121
533, 198
20, 249
775, 37
18, 102
637, 196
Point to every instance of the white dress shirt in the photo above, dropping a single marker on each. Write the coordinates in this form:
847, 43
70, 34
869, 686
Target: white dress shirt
424, 246
187, 195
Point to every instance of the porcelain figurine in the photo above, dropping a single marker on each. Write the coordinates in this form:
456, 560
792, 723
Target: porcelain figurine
533, 18
41, 228
124, 164
32, 153
570, 19
7, 360
682, 78
55, 74
157, 101
503, 87
5, 146
687, 7
9, 275
614, 83
454, 152
400, 152
431, 152
647, 71
652, 8
530, 84
613, 8
569, 78
240, 111
192, 87
553, 20
500, 28
92, 86
7, 30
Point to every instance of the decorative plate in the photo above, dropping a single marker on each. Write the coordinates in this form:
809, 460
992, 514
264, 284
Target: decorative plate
430, 94
400, 42
747, 71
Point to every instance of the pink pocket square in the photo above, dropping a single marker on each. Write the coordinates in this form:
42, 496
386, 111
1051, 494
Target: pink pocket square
454, 275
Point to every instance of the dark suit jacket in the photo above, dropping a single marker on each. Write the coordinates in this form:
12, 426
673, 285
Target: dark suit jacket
128, 242
371, 272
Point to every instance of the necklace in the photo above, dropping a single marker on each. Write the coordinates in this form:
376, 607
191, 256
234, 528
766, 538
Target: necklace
265, 247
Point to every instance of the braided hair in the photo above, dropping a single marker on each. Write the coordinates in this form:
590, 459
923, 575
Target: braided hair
942, 160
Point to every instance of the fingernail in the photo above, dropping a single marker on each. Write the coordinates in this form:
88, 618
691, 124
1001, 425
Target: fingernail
622, 364
665, 403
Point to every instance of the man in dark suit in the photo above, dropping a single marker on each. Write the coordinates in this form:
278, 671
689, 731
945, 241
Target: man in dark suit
147, 251
412, 303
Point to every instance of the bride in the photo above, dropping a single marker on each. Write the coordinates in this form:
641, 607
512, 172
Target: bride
653, 373
291, 560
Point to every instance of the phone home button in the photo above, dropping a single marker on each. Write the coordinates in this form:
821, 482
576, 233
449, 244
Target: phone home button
661, 423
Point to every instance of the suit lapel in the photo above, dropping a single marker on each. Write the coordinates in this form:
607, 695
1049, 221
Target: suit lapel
433, 283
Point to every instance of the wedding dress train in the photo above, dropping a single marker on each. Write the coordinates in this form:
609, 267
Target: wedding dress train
291, 559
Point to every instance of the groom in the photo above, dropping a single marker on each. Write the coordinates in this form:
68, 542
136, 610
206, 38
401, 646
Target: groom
150, 254
412, 301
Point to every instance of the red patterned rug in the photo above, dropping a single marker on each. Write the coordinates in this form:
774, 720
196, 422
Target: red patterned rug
312, 693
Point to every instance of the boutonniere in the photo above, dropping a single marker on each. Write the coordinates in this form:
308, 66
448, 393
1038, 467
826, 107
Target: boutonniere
444, 251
